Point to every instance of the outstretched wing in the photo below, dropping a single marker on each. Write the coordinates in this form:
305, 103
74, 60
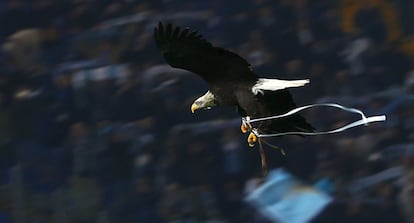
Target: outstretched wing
186, 49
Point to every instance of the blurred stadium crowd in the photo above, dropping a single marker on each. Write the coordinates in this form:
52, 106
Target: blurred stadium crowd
94, 127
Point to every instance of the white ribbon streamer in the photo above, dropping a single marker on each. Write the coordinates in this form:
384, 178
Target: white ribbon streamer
363, 121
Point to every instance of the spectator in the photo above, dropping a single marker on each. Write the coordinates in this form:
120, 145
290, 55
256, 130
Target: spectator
82, 199
104, 134
370, 22
406, 197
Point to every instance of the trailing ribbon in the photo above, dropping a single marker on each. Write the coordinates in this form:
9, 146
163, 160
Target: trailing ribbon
363, 121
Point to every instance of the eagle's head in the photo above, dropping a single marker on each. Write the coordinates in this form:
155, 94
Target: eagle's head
207, 101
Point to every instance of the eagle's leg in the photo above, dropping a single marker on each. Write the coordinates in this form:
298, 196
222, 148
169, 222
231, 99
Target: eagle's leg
252, 139
245, 127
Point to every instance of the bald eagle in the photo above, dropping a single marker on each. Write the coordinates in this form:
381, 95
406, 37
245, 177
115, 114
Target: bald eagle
231, 80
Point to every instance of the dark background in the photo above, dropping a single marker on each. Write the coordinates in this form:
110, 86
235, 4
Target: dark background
95, 127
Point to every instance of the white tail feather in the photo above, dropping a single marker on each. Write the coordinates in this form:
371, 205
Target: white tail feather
265, 84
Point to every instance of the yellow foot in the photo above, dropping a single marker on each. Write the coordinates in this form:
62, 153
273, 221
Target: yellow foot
252, 139
245, 127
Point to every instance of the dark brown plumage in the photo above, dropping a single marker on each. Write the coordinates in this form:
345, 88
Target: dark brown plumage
230, 78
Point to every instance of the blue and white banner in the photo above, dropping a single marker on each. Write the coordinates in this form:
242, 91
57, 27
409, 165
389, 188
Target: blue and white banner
283, 198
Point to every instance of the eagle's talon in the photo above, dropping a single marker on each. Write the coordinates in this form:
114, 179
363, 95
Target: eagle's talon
244, 128
252, 139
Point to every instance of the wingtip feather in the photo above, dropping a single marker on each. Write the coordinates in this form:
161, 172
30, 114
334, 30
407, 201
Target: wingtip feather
176, 32
168, 30
184, 33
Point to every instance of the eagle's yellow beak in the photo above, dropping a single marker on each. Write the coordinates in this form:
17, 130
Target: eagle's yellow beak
194, 107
